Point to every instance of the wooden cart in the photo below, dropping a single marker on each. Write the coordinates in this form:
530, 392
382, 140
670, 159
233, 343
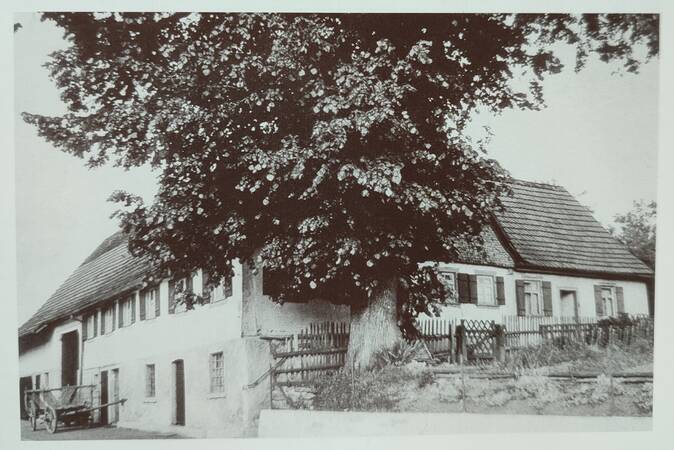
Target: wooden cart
70, 405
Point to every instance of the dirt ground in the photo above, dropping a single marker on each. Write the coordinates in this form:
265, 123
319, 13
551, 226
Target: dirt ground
94, 433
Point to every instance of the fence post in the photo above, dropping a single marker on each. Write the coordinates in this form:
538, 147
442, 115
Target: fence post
461, 343
499, 343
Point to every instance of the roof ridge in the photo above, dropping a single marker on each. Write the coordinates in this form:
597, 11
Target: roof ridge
538, 184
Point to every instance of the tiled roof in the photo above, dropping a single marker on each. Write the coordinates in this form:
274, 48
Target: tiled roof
110, 270
550, 230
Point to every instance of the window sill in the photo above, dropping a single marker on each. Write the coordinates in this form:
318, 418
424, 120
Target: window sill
216, 395
150, 400
488, 306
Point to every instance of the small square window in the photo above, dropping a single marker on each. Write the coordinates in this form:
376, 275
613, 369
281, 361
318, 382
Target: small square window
217, 372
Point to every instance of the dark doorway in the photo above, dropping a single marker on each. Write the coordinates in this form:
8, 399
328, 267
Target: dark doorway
69, 358
25, 384
104, 397
179, 390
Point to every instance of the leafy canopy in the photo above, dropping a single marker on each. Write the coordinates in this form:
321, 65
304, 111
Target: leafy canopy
331, 146
636, 229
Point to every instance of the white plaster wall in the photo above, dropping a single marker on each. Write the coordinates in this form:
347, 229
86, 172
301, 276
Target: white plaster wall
262, 316
636, 299
46, 358
191, 336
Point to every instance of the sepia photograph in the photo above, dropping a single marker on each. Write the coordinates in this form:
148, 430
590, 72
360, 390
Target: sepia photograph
312, 224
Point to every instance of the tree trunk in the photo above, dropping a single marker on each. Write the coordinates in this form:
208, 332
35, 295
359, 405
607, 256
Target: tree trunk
373, 327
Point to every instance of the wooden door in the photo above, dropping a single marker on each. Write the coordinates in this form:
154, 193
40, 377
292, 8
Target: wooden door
69, 358
115, 395
25, 384
104, 397
179, 392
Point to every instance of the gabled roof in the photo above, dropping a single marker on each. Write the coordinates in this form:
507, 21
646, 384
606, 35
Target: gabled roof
109, 271
543, 227
548, 229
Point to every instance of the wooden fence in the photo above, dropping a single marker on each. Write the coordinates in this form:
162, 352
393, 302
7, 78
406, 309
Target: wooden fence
316, 350
525, 331
439, 336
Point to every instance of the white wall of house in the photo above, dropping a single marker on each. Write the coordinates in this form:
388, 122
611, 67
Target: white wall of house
45, 358
191, 336
635, 294
261, 316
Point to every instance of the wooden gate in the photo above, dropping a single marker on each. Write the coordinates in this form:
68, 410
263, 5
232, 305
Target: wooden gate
478, 339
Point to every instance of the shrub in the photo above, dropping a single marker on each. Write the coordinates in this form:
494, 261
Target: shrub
376, 390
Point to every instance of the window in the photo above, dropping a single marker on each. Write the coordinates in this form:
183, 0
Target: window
222, 290
45, 380
108, 318
533, 300
217, 372
127, 312
183, 286
448, 279
37, 382
608, 300
150, 303
485, 290
149, 380
91, 326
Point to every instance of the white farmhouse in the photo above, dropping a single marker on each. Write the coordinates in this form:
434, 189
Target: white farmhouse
198, 372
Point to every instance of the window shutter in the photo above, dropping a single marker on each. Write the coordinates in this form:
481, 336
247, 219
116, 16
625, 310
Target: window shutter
143, 300
172, 297
228, 286
464, 288
519, 291
598, 303
205, 289
157, 302
500, 291
95, 323
102, 321
120, 313
620, 297
473, 289
85, 321
547, 298
133, 308
113, 311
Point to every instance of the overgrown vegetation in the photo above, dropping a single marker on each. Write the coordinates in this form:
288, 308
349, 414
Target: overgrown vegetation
400, 385
576, 356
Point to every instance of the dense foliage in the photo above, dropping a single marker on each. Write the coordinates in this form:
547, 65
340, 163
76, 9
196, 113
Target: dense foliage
636, 229
330, 146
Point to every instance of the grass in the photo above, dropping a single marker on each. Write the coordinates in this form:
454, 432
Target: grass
412, 386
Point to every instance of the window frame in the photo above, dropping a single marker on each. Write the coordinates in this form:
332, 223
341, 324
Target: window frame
108, 311
612, 300
150, 381
216, 373
89, 324
539, 293
127, 313
494, 300
150, 293
455, 286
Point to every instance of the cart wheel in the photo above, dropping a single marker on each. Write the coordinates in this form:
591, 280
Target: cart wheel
50, 419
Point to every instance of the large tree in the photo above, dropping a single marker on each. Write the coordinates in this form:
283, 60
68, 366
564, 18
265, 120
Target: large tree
637, 230
331, 147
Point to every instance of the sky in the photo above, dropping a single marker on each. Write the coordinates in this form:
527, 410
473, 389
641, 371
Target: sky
597, 138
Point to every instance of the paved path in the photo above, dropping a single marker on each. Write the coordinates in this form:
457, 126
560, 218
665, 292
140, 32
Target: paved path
297, 423
107, 432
